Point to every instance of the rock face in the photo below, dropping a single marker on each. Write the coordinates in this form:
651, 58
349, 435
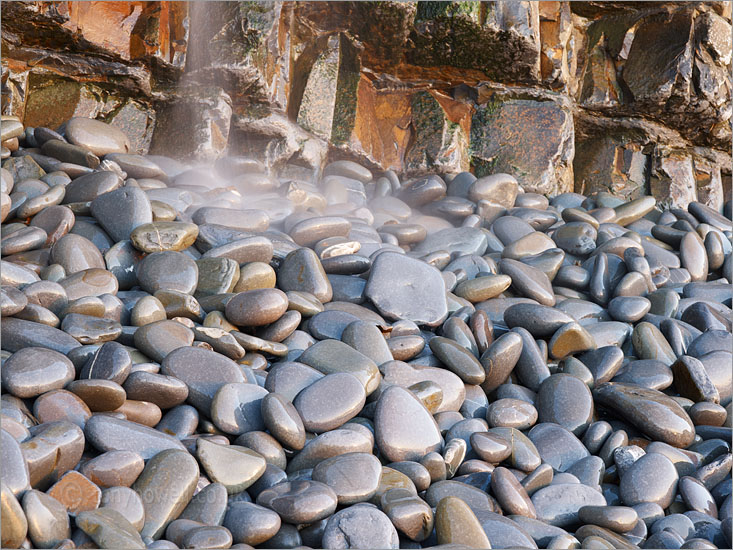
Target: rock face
630, 99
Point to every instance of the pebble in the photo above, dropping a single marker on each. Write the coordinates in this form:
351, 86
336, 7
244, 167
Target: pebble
114, 468
19, 334
109, 529
652, 478
158, 339
161, 236
408, 513
48, 521
458, 360
557, 446
406, 288
360, 526
120, 211
236, 408
567, 401
510, 494
404, 429
301, 271
125, 501
651, 411
233, 466
30, 372
96, 136
528, 281
455, 523
186, 364
256, 308
558, 504
76, 493
107, 433
332, 356
165, 486
301, 501
321, 413
250, 523
354, 477
169, 270
15, 524
342, 353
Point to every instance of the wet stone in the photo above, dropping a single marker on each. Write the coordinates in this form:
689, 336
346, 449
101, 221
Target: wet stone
216, 276
540, 321
61, 405
569, 339
328, 444
125, 501
114, 468
48, 521
319, 412
490, 447
31, 371
652, 478
558, 504
121, 211
567, 401
107, 433
413, 435
236, 408
354, 477
510, 494
18, 334
332, 356
109, 529
692, 380
650, 411
202, 370
408, 513
557, 446
156, 340
697, 497
617, 518
76, 493
300, 501
458, 359
165, 486
163, 391
168, 270
90, 330
455, 523
250, 523
524, 455
96, 136
15, 475
162, 236
233, 466
528, 281
405, 288
301, 270
256, 307
360, 526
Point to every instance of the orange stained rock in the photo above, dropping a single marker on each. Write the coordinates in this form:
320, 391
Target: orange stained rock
76, 492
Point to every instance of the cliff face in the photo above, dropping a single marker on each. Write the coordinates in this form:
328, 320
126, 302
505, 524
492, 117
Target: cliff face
626, 97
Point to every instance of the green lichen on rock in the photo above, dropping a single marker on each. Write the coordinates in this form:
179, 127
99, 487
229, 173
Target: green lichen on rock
427, 11
438, 142
528, 138
467, 35
328, 107
344, 114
